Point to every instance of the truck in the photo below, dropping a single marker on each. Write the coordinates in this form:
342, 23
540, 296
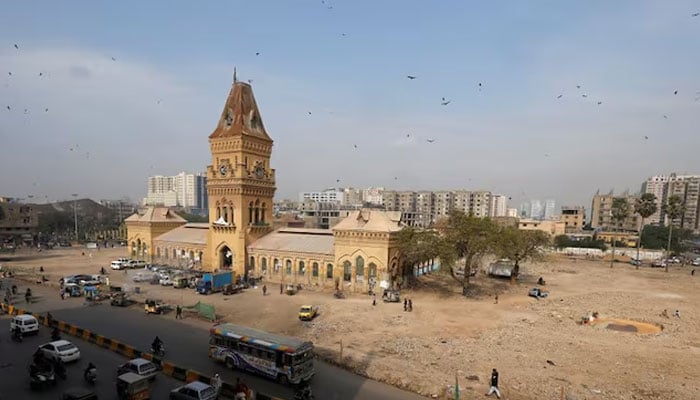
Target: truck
214, 282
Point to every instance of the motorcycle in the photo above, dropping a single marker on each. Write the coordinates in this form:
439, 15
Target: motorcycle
90, 376
41, 376
160, 351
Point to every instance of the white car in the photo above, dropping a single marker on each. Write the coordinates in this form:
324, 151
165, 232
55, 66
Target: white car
62, 349
194, 391
116, 265
696, 262
27, 324
166, 281
139, 366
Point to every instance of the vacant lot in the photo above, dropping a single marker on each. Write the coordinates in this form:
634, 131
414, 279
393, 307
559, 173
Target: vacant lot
447, 334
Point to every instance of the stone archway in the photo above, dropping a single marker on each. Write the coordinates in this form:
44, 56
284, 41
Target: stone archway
225, 258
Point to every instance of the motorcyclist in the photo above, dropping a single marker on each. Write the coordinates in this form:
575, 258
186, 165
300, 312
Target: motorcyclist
55, 334
90, 370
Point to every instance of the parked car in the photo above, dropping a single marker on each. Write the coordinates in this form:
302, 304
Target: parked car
165, 281
635, 262
194, 391
537, 293
116, 265
26, 323
674, 260
696, 262
139, 366
143, 277
659, 263
62, 349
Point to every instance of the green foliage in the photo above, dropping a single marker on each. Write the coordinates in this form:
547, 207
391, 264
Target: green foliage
464, 237
520, 245
563, 241
645, 206
656, 237
674, 207
620, 210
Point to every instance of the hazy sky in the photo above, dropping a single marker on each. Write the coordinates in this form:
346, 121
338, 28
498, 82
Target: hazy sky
150, 110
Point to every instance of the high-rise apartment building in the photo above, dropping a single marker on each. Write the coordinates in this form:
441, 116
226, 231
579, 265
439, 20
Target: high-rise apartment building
536, 209
352, 197
498, 206
601, 214
687, 187
658, 186
181, 190
373, 195
550, 207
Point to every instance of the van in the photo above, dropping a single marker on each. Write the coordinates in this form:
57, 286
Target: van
26, 323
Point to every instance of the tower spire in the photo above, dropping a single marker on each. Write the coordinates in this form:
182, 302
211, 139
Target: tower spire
234, 75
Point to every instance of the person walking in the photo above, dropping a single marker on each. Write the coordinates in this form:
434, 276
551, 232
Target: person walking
374, 300
410, 305
178, 312
264, 290
405, 304
496, 299
494, 385
281, 288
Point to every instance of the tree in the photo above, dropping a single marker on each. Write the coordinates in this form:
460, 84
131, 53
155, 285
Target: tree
674, 209
464, 237
520, 245
619, 212
415, 246
645, 206
562, 241
656, 237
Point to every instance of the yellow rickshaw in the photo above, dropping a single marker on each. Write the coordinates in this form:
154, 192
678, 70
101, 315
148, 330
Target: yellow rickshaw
153, 306
131, 386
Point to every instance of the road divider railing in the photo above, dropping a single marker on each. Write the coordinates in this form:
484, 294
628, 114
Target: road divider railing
167, 368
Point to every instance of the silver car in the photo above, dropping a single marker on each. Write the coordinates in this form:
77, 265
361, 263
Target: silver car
194, 391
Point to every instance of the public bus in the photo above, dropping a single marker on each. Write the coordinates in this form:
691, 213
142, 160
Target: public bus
285, 359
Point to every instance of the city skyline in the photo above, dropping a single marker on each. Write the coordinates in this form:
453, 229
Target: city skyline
97, 110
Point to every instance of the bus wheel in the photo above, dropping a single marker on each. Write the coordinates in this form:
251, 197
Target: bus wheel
282, 378
230, 363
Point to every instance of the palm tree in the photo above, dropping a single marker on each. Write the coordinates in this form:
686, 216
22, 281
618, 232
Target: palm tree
674, 209
645, 207
620, 211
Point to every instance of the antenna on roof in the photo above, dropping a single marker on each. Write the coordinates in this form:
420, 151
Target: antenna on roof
234, 75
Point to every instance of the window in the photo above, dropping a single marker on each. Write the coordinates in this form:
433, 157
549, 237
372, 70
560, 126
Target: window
372, 270
263, 265
347, 271
314, 270
288, 267
252, 264
302, 268
276, 265
329, 271
359, 268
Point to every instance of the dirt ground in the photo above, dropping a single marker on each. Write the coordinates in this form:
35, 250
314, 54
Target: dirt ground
448, 335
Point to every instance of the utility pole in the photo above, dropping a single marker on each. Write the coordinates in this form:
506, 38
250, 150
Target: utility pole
75, 213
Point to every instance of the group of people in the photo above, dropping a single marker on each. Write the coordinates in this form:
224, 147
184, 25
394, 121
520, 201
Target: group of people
676, 313
407, 305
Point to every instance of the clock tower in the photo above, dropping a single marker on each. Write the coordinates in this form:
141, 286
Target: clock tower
240, 181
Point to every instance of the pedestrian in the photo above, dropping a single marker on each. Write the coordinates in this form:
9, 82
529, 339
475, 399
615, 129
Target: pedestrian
216, 383
494, 385
677, 314
178, 312
62, 293
405, 304
692, 273
264, 290
410, 305
496, 299
374, 300
281, 288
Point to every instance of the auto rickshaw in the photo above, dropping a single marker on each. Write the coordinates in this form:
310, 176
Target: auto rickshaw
153, 306
181, 282
131, 386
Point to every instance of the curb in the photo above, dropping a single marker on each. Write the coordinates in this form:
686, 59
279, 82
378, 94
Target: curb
167, 368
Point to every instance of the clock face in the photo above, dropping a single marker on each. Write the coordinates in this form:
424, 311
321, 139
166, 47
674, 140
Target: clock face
223, 169
260, 172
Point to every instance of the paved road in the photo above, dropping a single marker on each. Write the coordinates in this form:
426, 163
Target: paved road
16, 357
187, 346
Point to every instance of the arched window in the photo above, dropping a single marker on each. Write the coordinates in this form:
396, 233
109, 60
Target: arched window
218, 213
288, 267
257, 211
251, 265
372, 270
263, 265
262, 213
225, 213
314, 270
347, 271
158, 252
250, 213
167, 253
302, 268
359, 268
276, 265
174, 254
329, 271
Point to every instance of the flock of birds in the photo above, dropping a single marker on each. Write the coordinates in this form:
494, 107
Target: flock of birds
443, 102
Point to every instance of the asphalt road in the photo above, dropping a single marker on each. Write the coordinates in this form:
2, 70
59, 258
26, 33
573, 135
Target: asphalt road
16, 357
187, 346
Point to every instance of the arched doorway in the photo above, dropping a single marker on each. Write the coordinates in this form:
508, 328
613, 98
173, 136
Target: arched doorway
225, 258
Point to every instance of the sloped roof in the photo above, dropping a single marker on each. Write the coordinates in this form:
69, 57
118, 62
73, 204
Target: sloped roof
156, 214
371, 220
240, 115
195, 233
316, 241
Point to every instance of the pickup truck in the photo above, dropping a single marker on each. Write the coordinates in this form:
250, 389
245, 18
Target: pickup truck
537, 293
307, 313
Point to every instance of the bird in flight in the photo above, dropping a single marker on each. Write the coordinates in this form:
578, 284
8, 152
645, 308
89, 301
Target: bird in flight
560, 96
675, 92
41, 74
355, 145
578, 86
114, 59
396, 178
309, 112
408, 135
9, 73
46, 110
666, 116
646, 137
8, 107
431, 140
411, 77
445, 102
257, 53
600, 102
584, 96
16, 47
695, 14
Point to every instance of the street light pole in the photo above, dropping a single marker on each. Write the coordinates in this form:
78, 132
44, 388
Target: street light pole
75, 213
